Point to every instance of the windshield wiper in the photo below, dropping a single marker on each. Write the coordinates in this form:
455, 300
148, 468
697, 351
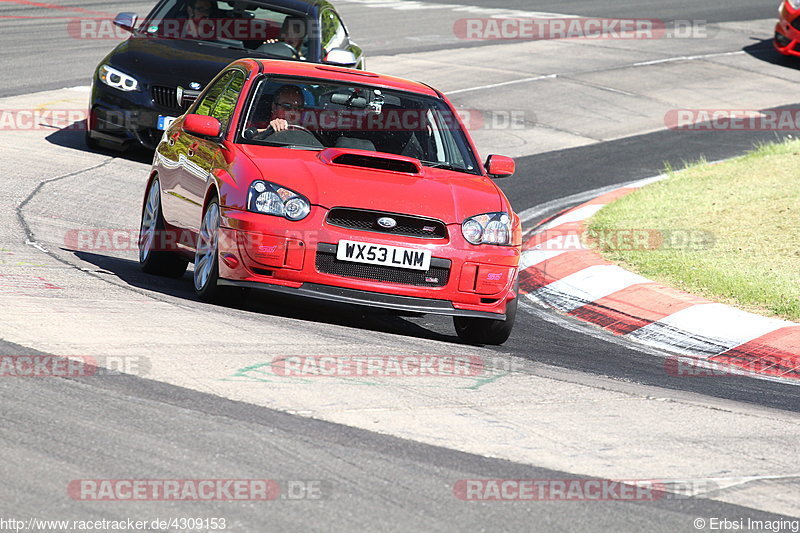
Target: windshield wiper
292, 146
445, 166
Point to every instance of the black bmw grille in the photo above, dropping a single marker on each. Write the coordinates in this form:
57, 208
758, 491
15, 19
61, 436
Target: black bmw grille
166, 97
436, 276
407, 225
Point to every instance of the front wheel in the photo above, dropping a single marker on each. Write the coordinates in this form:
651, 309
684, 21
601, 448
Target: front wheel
486, 330
206, 258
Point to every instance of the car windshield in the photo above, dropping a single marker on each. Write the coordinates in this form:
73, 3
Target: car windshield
232, 23
315, 114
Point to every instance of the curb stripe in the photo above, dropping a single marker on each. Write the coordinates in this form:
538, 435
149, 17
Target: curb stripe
635, 307
777, 353
562, 237
706, 329
587, 285
560, 266
579, 214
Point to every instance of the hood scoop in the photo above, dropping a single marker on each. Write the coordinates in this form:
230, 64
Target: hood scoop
370, 160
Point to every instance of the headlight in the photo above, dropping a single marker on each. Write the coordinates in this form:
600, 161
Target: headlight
117, 79
271, 199
794, 3
490, 228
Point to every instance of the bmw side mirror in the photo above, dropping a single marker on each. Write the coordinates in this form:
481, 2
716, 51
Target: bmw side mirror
499, 166
126, 21
341, 57
202, 126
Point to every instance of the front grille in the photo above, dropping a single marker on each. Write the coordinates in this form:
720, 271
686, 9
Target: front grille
436, 276
407, 225
166, 97
796, 23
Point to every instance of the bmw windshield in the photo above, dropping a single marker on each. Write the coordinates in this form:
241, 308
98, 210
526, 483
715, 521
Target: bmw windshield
314, 114
236, 24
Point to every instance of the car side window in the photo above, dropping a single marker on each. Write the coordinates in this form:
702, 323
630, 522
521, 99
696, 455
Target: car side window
226, 103
333, 32
206, 105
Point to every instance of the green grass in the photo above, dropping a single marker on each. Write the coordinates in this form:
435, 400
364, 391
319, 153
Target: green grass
749, 211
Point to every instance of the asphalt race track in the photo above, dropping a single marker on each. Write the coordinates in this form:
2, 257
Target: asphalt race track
560, 400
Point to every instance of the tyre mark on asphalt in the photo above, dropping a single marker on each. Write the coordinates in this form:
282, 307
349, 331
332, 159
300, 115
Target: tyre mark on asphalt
30, 239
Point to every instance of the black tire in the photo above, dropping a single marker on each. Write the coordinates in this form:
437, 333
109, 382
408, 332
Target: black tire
206, 259
91, 143
486, 330
206, 286
152, 259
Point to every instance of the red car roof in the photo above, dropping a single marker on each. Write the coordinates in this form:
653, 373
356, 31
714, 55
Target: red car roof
330, 72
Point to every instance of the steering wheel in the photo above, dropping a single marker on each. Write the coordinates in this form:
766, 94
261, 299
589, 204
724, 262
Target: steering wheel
289, 48
270, 131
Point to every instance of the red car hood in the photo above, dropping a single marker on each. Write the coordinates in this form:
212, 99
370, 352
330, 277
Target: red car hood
443, 194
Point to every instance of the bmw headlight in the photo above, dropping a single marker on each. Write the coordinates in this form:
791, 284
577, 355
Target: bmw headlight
271, 199
489, 228
117, 79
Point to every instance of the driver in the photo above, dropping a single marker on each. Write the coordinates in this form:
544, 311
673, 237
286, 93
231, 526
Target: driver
198, 10
288, 105
293, 33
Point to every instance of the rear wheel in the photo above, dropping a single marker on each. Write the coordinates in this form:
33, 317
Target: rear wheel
486, 330
153, 258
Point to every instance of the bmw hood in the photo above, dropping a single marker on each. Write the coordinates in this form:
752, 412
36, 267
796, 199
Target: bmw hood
171, 62
442, 194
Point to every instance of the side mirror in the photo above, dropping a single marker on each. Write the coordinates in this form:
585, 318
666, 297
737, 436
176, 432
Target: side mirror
126, 21
201, 125
341, 57
499, 166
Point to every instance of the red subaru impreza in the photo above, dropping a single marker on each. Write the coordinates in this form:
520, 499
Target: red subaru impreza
335, 184
787, 31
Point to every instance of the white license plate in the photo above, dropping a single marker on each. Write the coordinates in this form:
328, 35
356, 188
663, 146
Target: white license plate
379, 254
165, 122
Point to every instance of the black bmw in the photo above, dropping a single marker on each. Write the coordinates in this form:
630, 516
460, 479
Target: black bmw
182, 44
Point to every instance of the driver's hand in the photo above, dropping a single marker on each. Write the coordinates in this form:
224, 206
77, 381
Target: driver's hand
279, 124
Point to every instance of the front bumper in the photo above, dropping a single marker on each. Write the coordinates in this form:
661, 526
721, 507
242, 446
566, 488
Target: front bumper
787, 37
272, 253
125, 118
366, 298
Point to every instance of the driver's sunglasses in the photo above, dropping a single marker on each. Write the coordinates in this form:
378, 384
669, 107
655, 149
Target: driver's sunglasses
287, 106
